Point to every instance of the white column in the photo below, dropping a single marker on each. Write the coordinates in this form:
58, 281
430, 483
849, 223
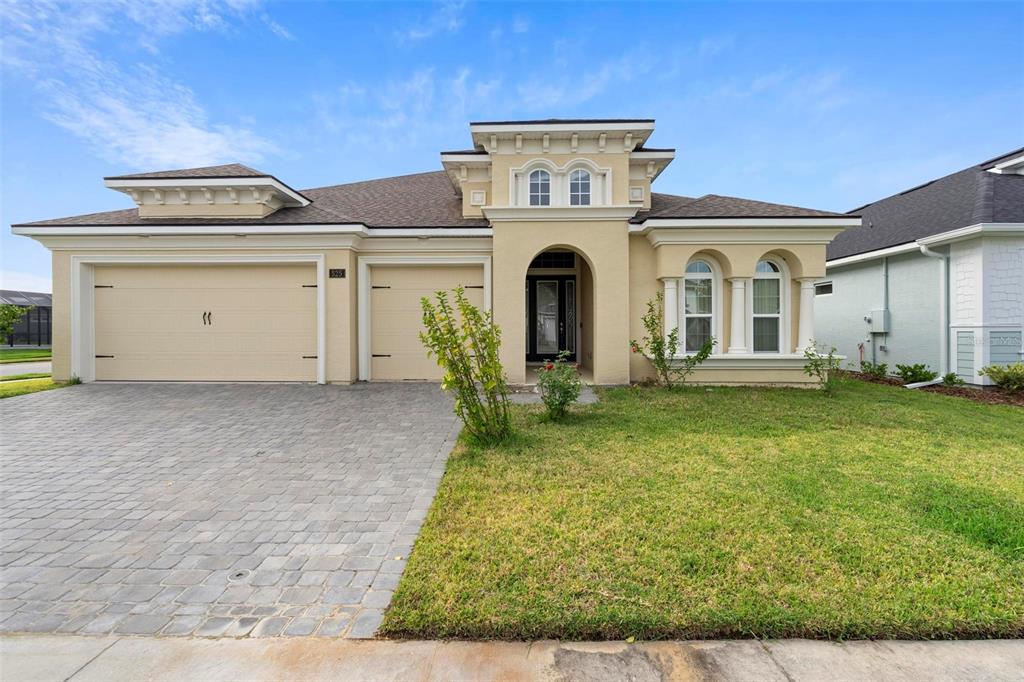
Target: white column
805, 332
738, 327
671, 304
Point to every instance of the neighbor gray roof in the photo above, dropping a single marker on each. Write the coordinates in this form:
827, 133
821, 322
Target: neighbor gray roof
427, 200
26, 298
964, 198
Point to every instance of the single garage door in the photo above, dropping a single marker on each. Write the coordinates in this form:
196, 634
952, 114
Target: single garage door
206, 322
396, 352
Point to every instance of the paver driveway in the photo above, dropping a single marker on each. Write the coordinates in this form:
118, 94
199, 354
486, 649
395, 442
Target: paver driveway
213, 510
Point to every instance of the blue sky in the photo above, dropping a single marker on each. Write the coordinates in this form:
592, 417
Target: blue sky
821, 105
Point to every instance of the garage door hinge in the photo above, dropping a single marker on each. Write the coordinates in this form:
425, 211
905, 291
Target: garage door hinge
309, 357
104, 286
309, 286
474, 286
379, 355
104, 356
379, 287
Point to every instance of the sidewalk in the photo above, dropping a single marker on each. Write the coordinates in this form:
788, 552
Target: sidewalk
112, 659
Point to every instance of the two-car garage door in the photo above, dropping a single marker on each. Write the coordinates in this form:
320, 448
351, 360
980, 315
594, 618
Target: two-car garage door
206, 322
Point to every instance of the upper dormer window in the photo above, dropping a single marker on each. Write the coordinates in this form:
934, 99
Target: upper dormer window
579, 188
540, 188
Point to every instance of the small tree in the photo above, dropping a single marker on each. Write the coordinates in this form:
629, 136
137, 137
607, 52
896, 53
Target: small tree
9, 316
661, 348
465, 343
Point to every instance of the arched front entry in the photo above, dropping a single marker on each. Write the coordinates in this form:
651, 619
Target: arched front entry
559, 303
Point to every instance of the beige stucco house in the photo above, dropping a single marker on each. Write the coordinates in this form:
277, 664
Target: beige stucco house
228, 274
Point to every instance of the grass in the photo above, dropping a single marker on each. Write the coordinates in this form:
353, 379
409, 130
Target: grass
733, 512
30, 375
9, 355
9, 389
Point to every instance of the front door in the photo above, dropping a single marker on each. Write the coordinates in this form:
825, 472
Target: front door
551, 323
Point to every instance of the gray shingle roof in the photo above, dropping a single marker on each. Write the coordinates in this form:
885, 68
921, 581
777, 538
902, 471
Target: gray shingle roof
967, 197
228, 170
427, 200
717, 206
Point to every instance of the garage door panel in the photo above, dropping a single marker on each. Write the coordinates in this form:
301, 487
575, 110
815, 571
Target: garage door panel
151, 319
396, 317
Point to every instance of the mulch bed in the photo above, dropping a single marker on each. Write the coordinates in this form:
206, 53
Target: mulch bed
992, 396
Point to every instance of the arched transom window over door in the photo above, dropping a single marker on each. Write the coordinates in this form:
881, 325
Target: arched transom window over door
698, 305
767, 307
540, 188
579, 188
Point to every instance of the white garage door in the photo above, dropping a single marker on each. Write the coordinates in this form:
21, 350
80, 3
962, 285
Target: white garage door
396, 352
206, 322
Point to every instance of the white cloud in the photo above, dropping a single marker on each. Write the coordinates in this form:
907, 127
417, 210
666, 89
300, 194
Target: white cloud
562, 86
520, 25
130, 114
13, 280
446, 18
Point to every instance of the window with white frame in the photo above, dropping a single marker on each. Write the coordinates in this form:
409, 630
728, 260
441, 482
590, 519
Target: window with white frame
823, 289
767, 307
698, 305
540, 188
579, 188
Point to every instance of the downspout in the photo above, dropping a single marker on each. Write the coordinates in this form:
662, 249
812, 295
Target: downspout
943, 308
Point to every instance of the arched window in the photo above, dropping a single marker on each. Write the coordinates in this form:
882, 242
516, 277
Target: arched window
579, 188
767, 308
698, 305
540, 188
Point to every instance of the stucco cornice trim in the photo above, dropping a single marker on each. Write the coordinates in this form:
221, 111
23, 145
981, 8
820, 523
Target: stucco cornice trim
559, 213
795, 222
771, 236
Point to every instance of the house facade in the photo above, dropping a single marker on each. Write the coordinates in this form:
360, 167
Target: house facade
228, 274
935, 275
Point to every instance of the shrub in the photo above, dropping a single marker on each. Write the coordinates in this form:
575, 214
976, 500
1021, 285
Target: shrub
559, 383
661, 348
465, 342
875, 370
1009, 378
74, 380
823, 367
9, 316
952, 379
912, 374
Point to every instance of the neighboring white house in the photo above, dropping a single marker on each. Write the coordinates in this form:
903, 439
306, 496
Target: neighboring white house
933, 275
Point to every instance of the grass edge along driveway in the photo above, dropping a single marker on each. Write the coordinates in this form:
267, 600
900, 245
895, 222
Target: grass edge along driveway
730, 512
10, 389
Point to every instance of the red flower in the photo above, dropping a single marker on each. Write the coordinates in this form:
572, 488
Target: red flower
549, 367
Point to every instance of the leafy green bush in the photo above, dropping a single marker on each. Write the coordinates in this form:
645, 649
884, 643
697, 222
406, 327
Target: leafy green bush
875, 370
822, 366
912, 374
1009, 378
465, 342
952, 379
661, 348
9, 316
559, 383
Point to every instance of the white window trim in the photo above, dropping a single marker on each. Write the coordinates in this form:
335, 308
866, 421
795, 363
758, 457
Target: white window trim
519, 183
364, 267
785, 293
540, 194
83, 323
590, 186
716, 304
714, 314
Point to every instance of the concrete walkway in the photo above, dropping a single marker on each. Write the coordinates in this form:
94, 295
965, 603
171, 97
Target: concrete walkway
11, 369
108, 659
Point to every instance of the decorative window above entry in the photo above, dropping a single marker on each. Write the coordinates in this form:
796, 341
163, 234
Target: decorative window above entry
542, 183
563, 260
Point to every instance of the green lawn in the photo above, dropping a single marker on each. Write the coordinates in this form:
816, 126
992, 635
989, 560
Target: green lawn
8, 355
733, 512
9, 389
30, 375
